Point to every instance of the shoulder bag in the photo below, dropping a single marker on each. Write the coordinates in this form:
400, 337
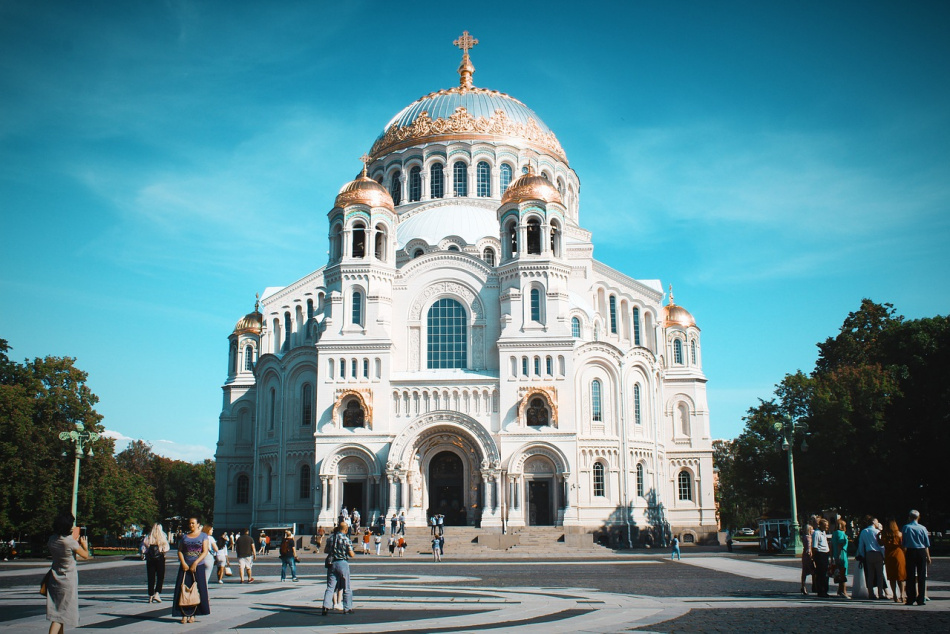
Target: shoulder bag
45, 582
189, 594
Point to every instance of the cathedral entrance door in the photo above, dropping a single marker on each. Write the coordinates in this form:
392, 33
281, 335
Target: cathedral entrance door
446, 488
539, 503
353, 497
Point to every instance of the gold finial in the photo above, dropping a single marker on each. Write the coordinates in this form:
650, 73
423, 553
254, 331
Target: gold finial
466, 68
366, 160
257, 302
671, 295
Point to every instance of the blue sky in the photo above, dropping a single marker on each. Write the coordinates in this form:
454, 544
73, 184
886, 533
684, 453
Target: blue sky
160, 162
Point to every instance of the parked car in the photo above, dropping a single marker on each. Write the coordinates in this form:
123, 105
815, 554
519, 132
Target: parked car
746, 531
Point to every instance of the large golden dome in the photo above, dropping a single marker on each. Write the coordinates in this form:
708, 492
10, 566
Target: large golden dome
366, 191
674, 315
531, 186
250, 323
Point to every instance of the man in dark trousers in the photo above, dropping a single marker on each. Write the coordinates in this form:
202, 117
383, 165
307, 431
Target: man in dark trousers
917, 542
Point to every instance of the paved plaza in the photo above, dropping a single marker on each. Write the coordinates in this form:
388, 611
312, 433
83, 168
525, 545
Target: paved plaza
705, 592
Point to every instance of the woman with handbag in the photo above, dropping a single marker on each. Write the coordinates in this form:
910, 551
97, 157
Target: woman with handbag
62, 580
191, 588
839, 545
156, 545
821, 552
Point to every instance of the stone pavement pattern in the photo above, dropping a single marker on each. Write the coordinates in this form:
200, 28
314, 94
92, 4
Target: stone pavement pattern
611, 594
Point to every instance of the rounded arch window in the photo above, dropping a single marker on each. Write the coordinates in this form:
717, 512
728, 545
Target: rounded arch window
379, 246
555, 239
336, 242
685, 486
418, 253
415, 184
600, 488
436, 181
460, 178
395, 187
453, 247
534, 236
356, 315
249, 358
306, 405
505, 176
353, 414
575, 327
305, 482
640, 479
483, 177
536, 414
243, 487
511, 232
636, 326
682, 416
488, 255
359, 240
596, 405
678, 352
447, 335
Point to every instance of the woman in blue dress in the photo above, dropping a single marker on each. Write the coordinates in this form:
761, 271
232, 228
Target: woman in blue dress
192, 550
839, 550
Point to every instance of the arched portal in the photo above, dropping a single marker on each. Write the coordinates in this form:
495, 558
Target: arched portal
446, 480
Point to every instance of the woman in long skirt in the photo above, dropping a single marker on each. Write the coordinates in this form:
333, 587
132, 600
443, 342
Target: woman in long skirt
62, 587
192, 550
808, 558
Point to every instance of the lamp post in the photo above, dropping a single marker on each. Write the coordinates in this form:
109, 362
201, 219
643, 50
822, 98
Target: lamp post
80, 438
787, 428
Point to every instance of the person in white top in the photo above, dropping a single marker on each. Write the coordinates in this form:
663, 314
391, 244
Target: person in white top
822, 552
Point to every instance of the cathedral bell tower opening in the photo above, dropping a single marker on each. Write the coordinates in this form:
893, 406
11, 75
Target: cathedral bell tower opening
446, 488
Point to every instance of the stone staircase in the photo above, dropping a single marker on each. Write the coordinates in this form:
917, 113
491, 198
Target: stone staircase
529, 541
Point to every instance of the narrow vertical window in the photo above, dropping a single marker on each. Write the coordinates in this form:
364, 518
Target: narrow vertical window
549, 363
365, 368
353, 372
505, 176
483, 175
537, 366
535, 304
395, 187
595, 404
533, 235
243, 489
692, 351
357, 312
305, 482
677, 351
488, 255
359, 241
415, 184
599, 488
512, 238
270, 482
460, 178
636, 326
436, 181
306, 405
685, 486
524, 366
273, 408
575, 327
613, 315
342, 368
640, 479
249, 358
636, 404
287, 330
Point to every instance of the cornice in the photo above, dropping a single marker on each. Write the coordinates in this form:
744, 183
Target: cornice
615, 275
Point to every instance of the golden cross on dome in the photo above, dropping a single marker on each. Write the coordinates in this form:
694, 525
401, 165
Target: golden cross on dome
465, 42
466, 68
671, 294
366, 161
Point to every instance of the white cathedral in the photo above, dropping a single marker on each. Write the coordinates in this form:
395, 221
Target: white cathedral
462, 352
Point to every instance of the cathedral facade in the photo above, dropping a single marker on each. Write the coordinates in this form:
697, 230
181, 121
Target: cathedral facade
462, 352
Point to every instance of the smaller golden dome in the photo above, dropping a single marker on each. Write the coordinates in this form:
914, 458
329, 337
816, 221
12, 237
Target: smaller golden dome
250, 323
531, 186
674, 315
366, 191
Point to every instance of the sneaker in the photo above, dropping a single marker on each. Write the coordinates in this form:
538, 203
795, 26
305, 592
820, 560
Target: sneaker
220, 580
158, 598
337, 606
296, 579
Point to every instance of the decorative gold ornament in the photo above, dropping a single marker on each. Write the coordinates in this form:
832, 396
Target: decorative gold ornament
531, 186
674, 315
461, 122
466, 68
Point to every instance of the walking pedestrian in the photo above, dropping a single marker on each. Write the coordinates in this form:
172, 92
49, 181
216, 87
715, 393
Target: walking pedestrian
839, 547
192, 550
432, 524
676, 549
156, 545
436, 549
288, 556
62, 580
212, 555
402, 523
340, 549
401, 545
808, 557
392, 545
916, 543
393, 523
365, 540
871, 551
378, 540
221, 559
440, 524
894, 563
822, 552
247, 554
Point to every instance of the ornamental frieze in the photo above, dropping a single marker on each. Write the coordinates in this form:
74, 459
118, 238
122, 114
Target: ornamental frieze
463, 122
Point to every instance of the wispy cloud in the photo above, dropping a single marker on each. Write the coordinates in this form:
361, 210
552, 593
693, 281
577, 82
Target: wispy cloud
166, 448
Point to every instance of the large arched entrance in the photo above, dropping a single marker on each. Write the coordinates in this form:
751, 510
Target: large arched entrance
447, 488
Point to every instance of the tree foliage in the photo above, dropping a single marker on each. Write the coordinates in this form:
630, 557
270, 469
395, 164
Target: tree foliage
43, 397
873, 413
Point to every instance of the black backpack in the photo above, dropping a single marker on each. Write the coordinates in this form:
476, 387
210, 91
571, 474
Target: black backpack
153, 552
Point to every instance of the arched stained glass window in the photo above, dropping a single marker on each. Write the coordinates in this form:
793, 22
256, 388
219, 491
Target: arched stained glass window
575, 327
306, 405
535, 305
637, 419
483, 175
636, 326
678, 351
613, 315
447, 336
505, 176
436, 181
415, 184
597, 414
640, 479
460, 178
357, 309
685, 486
395, 187
305, 482
599, 487
243, 487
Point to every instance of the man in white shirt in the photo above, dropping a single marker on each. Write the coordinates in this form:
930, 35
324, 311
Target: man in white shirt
871, 552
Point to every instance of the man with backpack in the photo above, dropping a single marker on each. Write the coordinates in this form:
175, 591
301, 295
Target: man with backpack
288, 557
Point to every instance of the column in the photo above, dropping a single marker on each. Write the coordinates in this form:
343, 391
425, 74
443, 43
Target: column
392, 495
486, 493
324, 494
424, 181
402, 492
498, 491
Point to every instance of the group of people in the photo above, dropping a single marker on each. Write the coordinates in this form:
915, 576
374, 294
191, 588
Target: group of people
900, 556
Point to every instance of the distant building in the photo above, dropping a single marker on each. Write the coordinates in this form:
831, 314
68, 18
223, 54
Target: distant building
462, 352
